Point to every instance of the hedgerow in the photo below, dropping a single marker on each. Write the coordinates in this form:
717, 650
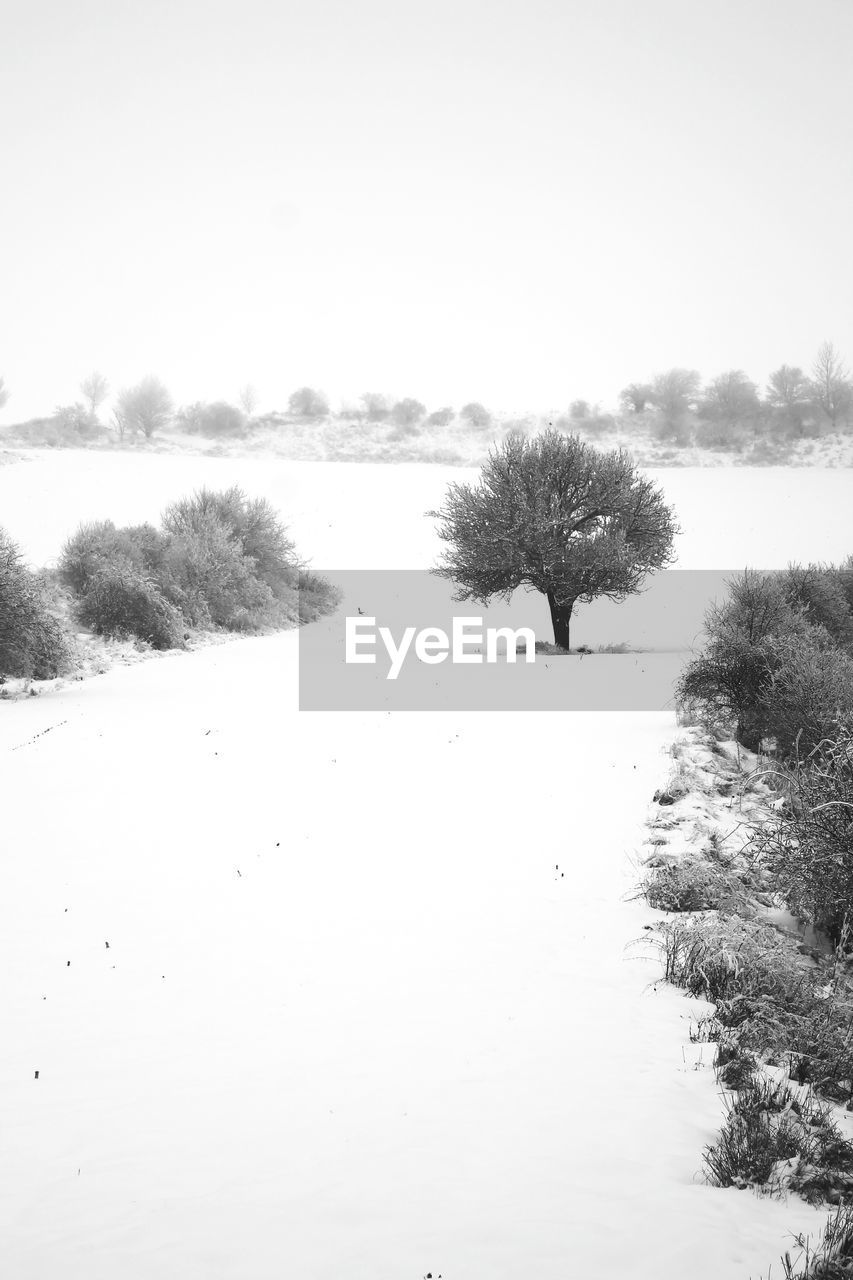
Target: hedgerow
221, 560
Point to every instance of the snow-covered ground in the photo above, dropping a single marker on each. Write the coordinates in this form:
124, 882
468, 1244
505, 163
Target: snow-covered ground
351, 515
350, 995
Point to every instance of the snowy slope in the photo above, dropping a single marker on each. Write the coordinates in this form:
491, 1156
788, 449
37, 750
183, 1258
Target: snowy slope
367, 1008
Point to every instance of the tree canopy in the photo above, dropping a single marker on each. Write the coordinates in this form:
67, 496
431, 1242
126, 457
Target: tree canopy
558, 516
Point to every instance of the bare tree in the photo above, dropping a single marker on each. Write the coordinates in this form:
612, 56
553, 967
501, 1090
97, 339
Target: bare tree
831, 383
674, 392
248, 398
95, 390
731, 396
787, 387
145, 407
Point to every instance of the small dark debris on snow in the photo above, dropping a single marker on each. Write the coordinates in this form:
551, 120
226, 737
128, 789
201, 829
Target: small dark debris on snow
37, 1075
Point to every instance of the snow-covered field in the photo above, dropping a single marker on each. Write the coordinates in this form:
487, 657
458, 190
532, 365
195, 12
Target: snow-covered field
334, 996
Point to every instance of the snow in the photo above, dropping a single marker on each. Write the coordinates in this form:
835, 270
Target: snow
370, 1006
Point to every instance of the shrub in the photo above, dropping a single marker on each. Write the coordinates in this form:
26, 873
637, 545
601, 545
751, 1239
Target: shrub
77, 419
69, 427
809, 692
308, 403
476, 415
222, 560
735, 1067
441, 417
119, 600
677, 430
376, 407
728, 680
816, 1043
772, 1001
407, 413
822, 593
216, 421
770, 451
726, 683
735, 962
750, 1146
100, 543
214, 581
316, 596
251, 522
688, 885
779, 1137
844, 577
198, 567
722, 435
809, 840
32, 642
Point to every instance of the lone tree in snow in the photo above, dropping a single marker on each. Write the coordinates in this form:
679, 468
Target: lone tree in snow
556, 515
95, 389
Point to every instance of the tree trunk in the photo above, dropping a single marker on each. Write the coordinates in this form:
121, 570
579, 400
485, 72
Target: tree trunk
561, 617
748, 736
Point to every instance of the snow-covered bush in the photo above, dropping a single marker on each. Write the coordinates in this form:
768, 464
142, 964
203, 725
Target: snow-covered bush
252, 522
809, 692
214, 581
316, 596
781, 1138
32, 641
221, 560
688, 885
733, 961
99, 543
809, 841
764, 649
120, 600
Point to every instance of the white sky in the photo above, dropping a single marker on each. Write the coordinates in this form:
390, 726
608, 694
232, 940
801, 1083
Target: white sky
518, 201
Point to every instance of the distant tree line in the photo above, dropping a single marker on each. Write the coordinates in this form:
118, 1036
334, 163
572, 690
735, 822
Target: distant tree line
675, 406
794, 402
147, 407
